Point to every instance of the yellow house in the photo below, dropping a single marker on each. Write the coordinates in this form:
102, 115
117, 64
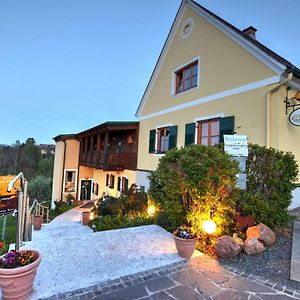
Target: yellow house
100, 160
212, 79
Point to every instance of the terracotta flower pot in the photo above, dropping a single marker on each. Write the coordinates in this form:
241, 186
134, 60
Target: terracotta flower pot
16, 284
85, 217
37, 222
185, 247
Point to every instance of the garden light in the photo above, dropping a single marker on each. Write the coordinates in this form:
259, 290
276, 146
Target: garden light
209, 226
151, 210
92, 216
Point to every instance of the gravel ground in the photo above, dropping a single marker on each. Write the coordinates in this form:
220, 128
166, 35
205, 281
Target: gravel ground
273, 264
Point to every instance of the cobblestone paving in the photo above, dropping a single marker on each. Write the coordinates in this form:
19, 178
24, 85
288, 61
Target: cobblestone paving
200, 278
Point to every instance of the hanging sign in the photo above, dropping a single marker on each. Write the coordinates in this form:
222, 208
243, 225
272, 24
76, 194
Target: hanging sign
294, 117
8, 205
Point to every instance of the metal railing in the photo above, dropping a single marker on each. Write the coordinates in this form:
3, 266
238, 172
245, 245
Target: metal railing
38, 209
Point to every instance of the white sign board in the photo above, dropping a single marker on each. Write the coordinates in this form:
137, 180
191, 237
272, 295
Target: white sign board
236, 145
295, 117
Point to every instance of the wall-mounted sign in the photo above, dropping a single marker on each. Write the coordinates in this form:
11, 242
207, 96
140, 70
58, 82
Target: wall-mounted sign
295, 117
236, 145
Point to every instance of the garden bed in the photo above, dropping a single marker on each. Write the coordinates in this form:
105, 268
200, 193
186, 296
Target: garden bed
273, 264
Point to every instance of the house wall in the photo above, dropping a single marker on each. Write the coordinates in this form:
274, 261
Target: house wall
248, 108
58, 170
223, 65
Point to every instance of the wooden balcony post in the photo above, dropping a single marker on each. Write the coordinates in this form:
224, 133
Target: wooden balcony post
98, 159
106, 156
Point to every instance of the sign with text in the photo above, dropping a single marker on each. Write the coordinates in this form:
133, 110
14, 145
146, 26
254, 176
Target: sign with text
236, 145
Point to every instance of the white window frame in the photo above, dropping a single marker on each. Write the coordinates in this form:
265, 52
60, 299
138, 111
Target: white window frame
156, 139
174, 74
65, 174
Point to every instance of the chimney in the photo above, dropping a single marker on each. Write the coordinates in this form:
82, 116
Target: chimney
250, 31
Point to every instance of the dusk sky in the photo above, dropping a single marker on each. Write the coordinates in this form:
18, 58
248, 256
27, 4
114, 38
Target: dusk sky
68, 65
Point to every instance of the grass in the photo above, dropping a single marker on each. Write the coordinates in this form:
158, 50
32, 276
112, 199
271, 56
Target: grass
10, 233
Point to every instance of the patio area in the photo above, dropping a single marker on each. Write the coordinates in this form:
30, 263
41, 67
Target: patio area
76, 257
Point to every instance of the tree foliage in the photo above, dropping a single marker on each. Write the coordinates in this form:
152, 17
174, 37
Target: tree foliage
40, 188
194, 184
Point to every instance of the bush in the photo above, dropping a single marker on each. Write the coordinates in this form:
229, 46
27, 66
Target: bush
271, 176
120, 221
194, 184
133, 200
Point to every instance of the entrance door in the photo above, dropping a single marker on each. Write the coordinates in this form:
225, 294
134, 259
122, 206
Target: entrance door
86, 189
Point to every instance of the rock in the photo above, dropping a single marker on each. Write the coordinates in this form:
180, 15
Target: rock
262, 233
238, 240
253, 246
227, 247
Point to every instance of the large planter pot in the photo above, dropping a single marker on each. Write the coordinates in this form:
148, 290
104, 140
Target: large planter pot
185, 247
37, 222
85, 218
16, 284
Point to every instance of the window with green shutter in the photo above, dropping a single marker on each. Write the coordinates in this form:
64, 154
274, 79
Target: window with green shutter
189, 134
152, 136
172, 137
226, 127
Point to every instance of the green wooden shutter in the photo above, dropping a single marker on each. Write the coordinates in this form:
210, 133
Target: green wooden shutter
152, 141
126, 185
226, 127
172, 137
189, 134
119, 184
107, 179
112, 181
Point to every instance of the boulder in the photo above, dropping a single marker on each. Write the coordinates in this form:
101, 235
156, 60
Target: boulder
238, 240
227, 247
262, 233
253, 246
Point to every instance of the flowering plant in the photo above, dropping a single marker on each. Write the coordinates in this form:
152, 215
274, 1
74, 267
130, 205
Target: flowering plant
15, 259
184, 232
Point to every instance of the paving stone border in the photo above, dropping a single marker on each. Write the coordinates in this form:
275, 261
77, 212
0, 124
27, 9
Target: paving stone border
183, 280
267, 282
122, 282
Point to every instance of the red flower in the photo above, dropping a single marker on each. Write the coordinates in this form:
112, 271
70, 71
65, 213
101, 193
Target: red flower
1, 244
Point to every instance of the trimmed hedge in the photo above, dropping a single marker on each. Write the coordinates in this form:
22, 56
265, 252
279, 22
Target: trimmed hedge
271, 177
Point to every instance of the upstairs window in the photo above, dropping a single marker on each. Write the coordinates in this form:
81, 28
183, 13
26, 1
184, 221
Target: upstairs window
163, 139
187, 77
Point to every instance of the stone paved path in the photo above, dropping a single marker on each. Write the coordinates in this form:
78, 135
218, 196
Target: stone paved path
200, 278
295, 258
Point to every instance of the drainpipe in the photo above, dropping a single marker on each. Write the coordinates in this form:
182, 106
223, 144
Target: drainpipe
269, 93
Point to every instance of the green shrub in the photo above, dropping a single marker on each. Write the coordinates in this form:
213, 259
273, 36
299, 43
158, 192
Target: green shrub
271, 176
196, 183
40, 188
131, 201
110, 206
110, 222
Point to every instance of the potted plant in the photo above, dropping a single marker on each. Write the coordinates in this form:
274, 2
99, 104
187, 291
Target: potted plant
185, 241
17, 273
37, 221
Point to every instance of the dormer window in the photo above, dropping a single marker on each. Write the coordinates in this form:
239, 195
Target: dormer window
187, 77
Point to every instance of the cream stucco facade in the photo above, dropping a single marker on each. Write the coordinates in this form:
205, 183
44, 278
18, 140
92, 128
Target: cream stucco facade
235, 78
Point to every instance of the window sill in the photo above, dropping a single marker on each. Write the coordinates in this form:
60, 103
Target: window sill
185, 91
159, 154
